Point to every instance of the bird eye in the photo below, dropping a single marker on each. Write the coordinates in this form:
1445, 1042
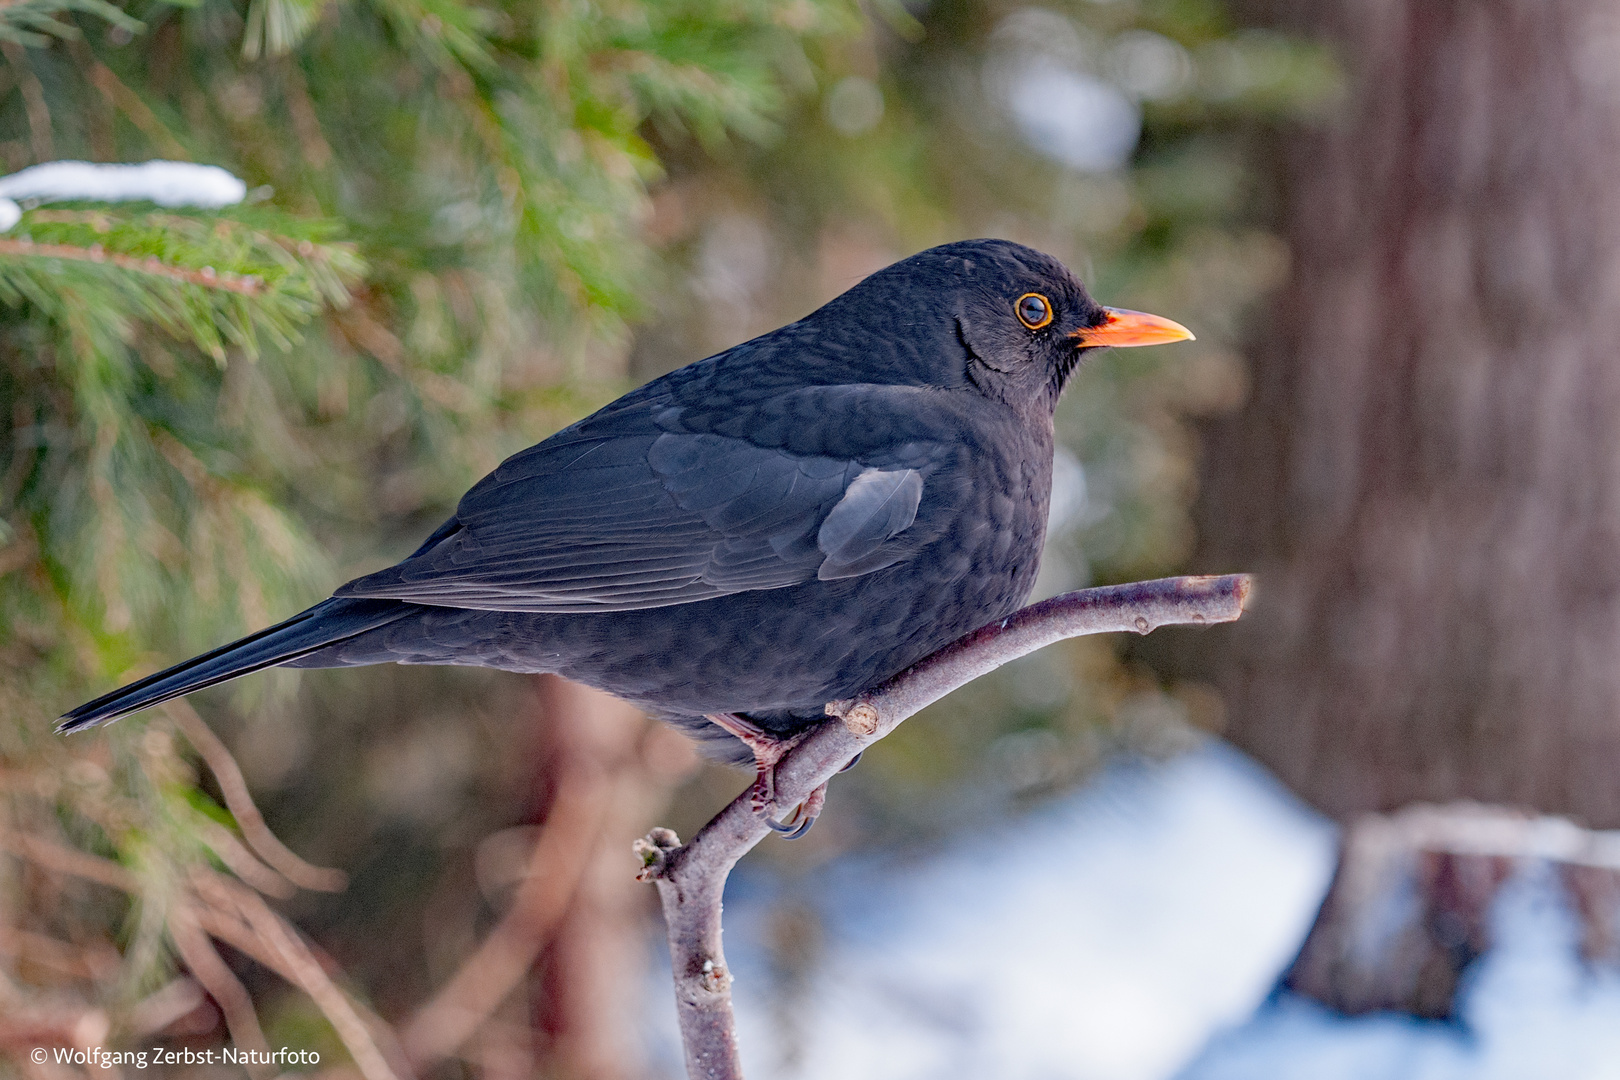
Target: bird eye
1034, 310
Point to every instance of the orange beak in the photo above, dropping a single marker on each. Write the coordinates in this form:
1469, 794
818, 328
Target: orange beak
1123, 327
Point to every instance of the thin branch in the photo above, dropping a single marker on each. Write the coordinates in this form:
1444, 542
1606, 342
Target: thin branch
306, 124
79, 962
692, 877
67, 861
1491, 832
39, 113
207, 277
170, 1002
237, 915
129, 103
240, 803
242, 862
58, 1023
206, 966
98, 123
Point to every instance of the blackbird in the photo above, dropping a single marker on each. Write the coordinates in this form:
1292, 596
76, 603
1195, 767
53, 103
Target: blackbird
731, 546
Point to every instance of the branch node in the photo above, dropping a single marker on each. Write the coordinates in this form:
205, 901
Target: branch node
715, 978
654, 850
1142, 625
860, 717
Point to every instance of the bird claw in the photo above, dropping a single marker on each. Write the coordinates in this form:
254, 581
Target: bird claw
768, 751
804, 815
793, 828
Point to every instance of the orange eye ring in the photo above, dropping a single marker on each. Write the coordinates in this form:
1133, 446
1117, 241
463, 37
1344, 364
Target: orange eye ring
1033, 310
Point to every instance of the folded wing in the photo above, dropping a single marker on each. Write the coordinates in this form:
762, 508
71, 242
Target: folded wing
601, 520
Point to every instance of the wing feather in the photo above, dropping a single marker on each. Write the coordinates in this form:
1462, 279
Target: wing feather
879, 505
618, 513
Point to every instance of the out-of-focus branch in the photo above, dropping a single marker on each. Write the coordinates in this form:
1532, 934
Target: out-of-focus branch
1448, 864
599, 768
242, 808
64, 1022
63, 860
210, 970
237, 915
33, 92
691, 877
128, 102
163, 1006
478, 987
74, 961
241, 862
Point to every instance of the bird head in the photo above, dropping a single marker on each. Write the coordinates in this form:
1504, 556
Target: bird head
1004, 318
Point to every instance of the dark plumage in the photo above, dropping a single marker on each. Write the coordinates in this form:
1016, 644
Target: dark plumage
789, 522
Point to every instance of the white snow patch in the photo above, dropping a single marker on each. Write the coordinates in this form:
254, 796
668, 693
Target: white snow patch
1530, 1009
1103, 938
167, 183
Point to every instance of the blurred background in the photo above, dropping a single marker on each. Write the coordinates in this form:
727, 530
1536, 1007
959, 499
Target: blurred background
1359, 834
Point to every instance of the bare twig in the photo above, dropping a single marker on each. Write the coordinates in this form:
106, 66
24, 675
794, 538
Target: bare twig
163, 1006
235, 914
98, 123
691, 877
242, 862
63, 860
306, 124
58, 1023
240, 803
1493, 831
207, 968
74, 961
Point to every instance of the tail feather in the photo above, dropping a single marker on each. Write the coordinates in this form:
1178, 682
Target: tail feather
324, 624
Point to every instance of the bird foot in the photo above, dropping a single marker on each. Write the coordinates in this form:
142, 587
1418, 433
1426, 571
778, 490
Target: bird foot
768, 752
804, 815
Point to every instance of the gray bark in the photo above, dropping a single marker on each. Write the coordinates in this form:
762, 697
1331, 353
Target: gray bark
1427, 475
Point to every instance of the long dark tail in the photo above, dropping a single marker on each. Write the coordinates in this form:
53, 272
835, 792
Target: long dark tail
324, 624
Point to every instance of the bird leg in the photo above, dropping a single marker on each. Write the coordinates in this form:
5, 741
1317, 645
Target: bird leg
768, 751
807, 812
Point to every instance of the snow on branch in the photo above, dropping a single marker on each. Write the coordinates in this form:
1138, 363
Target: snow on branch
691, 877
167, 183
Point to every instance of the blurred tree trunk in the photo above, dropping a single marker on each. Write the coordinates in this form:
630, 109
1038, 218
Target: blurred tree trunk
1428, 470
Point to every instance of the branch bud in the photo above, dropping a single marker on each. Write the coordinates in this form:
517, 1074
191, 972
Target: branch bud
654, 850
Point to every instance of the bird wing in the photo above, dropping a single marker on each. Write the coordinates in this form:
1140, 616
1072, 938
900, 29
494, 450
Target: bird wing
616, 514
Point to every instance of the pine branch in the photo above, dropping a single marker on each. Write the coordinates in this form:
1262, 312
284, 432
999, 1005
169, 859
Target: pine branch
34, 23
206, 277
211, 279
